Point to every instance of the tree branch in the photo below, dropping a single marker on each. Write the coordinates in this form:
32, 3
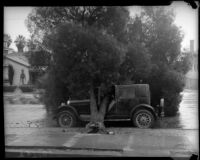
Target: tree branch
83, 16
93, 104
103, 106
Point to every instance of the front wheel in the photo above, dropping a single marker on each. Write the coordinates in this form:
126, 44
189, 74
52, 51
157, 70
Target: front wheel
66, 119
143, 119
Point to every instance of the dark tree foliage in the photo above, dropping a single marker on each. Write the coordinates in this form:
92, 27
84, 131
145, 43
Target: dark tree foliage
111, 20
39, 58
84, 58
184, 63
163, 37
164, 43
156, 55
80, 57
136, 65
95, 44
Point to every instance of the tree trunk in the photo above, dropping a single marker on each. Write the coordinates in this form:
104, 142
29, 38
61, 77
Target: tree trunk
96, 123
93, 105
101, 116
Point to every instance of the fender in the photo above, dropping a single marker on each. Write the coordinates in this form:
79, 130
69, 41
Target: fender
143, 106
66, 107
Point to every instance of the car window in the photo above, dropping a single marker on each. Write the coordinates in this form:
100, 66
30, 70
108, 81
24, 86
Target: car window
126, 92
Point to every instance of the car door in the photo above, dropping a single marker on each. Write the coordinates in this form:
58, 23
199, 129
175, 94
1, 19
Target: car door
111, 108
126, 100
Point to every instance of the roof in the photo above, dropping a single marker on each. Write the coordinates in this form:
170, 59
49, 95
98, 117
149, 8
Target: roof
19, 54
192, 75
38, 68
18, 57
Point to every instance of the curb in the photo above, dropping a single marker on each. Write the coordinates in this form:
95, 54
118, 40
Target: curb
34, 152
50, 151
13, 154
62, 148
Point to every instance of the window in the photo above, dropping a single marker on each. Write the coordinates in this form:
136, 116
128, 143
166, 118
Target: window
5, 44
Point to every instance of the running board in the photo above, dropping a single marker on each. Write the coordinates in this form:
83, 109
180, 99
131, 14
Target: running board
85, 117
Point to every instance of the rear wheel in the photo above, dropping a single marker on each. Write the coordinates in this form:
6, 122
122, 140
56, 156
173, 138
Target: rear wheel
143, 119
67, 119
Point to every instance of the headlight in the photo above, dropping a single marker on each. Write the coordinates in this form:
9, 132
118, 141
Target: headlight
68, 102
162, 102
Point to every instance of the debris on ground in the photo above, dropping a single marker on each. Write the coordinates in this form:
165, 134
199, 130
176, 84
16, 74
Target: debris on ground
97, 127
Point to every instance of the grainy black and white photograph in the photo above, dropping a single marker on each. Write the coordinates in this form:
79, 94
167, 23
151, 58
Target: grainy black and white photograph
101, 81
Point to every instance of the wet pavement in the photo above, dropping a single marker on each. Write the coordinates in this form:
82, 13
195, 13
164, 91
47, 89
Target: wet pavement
189, 110
26, 115
141, 142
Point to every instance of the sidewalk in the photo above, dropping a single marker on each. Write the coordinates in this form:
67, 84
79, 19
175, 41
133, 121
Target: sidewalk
54, 142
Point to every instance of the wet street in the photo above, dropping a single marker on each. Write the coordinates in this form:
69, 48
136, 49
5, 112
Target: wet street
26, 115
189, 110
32, 115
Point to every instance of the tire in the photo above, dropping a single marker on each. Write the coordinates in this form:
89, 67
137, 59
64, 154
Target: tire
67, 119
143, 119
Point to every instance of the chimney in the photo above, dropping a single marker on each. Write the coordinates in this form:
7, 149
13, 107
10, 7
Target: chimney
192, 46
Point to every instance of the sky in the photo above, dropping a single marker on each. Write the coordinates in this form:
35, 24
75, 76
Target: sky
186, 18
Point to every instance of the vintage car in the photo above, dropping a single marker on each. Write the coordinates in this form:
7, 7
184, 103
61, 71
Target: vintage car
130, 102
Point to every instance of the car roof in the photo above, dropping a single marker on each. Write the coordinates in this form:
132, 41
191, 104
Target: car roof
130, 85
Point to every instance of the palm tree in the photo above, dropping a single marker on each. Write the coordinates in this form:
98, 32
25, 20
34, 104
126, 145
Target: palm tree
20, 43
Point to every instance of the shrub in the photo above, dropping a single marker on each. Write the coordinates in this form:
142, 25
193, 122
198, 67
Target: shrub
9, 88
52, 93
173, 85
173, 81
168, 84
172, 101
26, 88
155, 83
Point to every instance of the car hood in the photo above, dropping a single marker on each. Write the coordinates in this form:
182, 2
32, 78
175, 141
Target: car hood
78, 101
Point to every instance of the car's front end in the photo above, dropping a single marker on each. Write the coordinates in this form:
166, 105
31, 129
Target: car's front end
160, 109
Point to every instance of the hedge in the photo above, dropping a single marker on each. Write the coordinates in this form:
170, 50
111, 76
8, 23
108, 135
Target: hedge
9, 88
27, 88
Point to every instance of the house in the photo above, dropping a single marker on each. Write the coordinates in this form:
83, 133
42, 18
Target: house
13, 65
15, 62
192, 76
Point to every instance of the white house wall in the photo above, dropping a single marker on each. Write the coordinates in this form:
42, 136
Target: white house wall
17, 71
